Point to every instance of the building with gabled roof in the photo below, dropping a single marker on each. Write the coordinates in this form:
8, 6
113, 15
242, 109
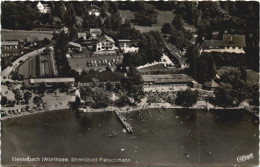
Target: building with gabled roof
177, 55
229, 43
10, 48
94, 10
95, 32
211, 85
43, 8
82, 35
127, 45
105, 45
74, 45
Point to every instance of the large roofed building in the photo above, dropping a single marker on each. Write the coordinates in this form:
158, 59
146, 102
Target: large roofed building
105, 45
167, 82
10, 49
177, 55
95, 32
127, 45
230, 43
43, 8
48, 82
51, 80
167, 79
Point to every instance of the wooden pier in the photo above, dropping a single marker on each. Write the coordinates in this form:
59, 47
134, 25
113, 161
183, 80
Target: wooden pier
251, 110
124, 122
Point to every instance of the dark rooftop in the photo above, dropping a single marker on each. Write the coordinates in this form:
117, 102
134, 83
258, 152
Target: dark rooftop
168, 78
228, 41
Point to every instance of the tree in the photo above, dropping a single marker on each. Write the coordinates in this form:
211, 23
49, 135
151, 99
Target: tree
4, 100
180, 38
37, 100
109, 86
73, 34
132, 59
186, 98
18, 15
243, 72
146, 15
60, 50
27, 96
46, 41
166, 28
41, 88
17, 94
122, 100
76, 104
177, 22
134, 84
150, 47
101, 98
222, 97
202, 67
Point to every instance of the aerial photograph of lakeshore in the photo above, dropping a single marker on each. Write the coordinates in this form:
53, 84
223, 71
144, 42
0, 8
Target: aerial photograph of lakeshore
130, 83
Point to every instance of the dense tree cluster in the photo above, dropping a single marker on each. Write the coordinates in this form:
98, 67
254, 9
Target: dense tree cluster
202, 67
128, 32
96, 97
239, 89
186, 98
60, 51
150, 50
150, 46
177, 34
146, 14
18, 15
133, 84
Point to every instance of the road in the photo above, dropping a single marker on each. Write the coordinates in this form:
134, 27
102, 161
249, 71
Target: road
6, 72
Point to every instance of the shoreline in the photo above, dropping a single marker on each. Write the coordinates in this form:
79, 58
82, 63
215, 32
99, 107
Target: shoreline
126, 110
28, 113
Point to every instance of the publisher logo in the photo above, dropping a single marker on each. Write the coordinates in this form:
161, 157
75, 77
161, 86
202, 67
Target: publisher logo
244, 158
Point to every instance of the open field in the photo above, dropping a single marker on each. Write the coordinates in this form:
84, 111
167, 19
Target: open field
22, 34
80, 63
162, 18
40, 65
252, 76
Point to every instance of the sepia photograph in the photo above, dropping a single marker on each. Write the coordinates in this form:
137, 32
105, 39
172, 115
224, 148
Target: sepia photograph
130, 83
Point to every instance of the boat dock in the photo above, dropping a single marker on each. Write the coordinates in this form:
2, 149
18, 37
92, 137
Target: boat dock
251, 110
124, 122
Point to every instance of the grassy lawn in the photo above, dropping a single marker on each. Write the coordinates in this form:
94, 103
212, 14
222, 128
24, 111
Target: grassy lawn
22, 34
252, 76
162, 18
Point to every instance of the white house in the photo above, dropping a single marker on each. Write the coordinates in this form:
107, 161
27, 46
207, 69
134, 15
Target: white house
105, 45
43, 8
82, 35
65, 29
126, 46
75, 46
94, 10
95, 32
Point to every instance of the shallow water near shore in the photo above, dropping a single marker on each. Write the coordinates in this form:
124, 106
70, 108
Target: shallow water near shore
173, 137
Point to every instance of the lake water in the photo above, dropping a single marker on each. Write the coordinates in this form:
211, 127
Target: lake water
169, 137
